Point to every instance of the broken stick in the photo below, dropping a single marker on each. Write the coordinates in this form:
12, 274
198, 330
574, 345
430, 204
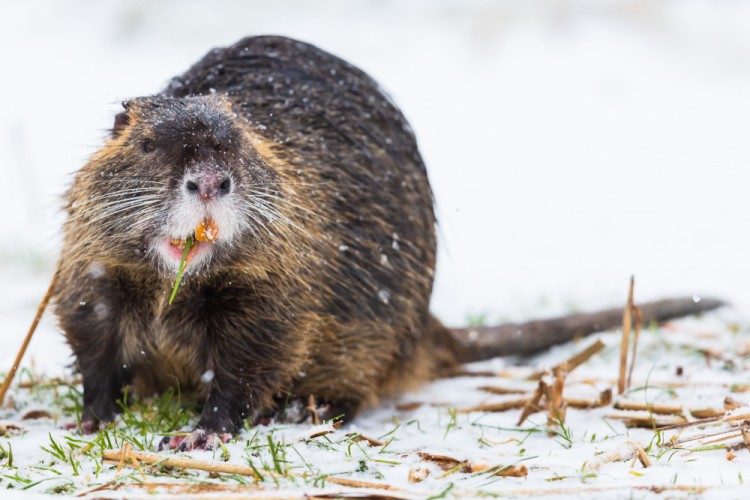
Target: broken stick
627, 323
574, 362
40, 310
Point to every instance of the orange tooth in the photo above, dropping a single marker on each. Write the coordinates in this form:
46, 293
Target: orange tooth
207, 230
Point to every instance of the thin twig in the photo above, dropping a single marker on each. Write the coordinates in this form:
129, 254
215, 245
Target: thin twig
183, 463
127, 452
649, 421
30, 384
313, 410
451, 465
532, 405
627, 323
650, 407
604, 399
360, 484
103, 486
495, 407
501, 390
361, 437
555, 406
514, 471
721, 439
130, 458
642, 457
707, 413
675, 442
321, 433
410, 406
573, 362
710, 420
40, 310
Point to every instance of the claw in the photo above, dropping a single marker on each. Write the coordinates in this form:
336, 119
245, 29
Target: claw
174, 442
212, 441
196, 440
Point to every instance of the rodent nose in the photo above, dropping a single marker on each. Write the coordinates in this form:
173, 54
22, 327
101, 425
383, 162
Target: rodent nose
208, 187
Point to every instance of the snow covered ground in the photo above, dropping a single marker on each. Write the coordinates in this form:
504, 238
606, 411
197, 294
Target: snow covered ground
571, 143
692, 364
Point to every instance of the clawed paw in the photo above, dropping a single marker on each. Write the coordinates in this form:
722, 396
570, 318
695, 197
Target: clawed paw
196, 440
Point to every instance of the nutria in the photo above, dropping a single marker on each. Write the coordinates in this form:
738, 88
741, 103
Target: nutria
318, 281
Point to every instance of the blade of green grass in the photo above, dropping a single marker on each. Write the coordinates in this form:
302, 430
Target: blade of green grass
183, 264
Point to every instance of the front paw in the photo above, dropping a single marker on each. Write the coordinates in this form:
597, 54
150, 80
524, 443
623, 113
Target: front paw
196, 440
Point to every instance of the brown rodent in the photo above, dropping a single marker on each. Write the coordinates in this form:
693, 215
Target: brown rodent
319, 280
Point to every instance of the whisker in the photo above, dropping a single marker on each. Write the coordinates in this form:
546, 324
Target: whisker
86, 211
125, 198
288, 183
122, 192
116, 210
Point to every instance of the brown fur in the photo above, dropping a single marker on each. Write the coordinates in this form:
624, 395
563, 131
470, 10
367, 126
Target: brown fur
327, 296
324, 290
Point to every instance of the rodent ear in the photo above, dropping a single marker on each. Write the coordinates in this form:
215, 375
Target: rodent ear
122, 120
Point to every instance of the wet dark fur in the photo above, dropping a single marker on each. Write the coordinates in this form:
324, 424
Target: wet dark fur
329, 298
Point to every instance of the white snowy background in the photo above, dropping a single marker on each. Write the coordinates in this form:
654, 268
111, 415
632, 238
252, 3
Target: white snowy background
570, 144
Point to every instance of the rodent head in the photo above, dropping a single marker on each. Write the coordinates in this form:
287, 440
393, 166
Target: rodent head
170, 165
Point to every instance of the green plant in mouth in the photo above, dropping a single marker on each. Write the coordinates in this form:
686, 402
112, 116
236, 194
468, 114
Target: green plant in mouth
183, 264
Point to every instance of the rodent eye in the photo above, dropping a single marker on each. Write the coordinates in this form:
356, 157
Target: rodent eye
149, 146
